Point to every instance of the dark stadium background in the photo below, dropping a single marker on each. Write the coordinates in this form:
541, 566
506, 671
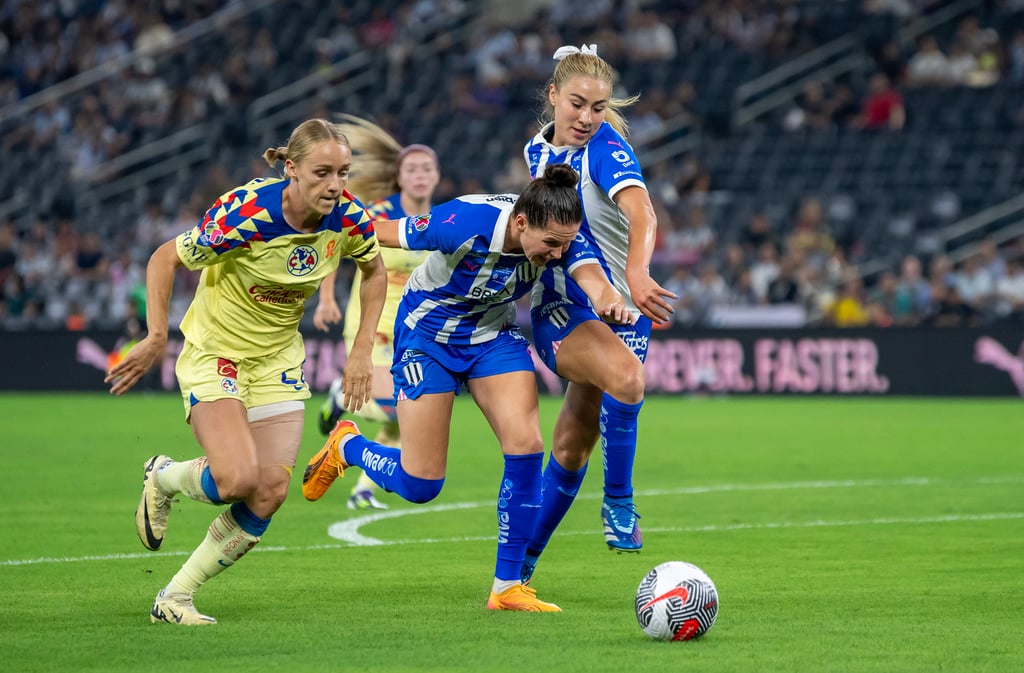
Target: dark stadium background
795, 191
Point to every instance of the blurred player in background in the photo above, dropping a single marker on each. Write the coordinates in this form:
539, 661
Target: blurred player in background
455, 327
396, 181
263, 248
603, 362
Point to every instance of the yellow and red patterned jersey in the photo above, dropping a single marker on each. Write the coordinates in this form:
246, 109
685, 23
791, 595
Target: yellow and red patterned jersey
258, 271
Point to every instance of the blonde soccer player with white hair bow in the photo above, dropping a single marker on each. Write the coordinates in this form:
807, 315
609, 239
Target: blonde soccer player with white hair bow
603, 362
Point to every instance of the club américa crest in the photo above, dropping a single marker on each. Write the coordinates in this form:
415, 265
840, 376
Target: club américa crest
302, 261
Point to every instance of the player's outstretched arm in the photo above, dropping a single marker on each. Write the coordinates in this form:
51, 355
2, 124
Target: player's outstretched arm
159, 283
650, 297
607, 301
387, 233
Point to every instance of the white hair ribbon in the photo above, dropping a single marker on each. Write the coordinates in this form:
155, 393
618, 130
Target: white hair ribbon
566, 50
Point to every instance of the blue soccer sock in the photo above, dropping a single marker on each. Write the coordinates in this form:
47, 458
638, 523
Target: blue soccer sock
618, 445
383, 464
248, 521
559, 487
519, 499
210, 486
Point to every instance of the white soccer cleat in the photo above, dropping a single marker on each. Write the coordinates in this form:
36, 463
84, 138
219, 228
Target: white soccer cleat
177, 608
154, 506
364, 500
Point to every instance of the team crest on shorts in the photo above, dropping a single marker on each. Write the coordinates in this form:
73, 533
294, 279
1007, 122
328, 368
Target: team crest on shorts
302, 261
230, 386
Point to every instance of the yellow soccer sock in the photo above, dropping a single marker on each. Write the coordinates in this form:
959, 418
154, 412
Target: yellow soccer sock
224, 544
388, 435
364, 483
185, 477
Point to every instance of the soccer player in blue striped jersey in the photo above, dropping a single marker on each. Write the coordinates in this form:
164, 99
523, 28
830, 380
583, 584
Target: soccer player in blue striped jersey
263, 249
603, 363
455, 327
395, 181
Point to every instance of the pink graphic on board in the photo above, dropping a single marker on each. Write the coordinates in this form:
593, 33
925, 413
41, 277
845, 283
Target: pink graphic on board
988, 351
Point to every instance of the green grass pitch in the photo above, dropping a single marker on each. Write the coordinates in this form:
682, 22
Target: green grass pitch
843, 535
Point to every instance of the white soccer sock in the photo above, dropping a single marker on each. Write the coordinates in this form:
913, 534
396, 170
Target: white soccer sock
503, 585
224, 544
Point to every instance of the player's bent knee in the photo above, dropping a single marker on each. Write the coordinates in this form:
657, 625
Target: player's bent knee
237, 485
420, 491
628, 386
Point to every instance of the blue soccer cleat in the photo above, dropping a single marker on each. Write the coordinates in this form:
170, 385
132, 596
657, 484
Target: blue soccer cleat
529, 565
621, 524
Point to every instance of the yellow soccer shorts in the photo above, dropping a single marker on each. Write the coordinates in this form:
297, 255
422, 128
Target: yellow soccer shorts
206, 377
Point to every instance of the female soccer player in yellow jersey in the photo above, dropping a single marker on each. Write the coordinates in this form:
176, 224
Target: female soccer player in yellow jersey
263, 249
397, 181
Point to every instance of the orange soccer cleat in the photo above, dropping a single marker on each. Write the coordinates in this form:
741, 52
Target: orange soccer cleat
326, 465
520, 597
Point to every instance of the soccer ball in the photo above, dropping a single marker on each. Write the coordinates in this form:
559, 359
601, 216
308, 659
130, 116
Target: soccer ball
676, 601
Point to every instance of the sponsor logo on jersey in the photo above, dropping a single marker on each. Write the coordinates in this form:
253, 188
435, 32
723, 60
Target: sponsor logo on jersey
188, 244
502, 198
276, 294
450, 219
622, 156
211, 236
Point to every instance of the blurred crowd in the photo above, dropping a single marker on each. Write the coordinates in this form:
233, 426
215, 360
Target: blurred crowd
55, 273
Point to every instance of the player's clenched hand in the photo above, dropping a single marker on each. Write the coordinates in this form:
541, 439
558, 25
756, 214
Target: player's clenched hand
357, 380
137, 362
651, 298
326, 313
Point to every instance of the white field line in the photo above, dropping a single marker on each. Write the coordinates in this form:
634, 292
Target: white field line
348, 531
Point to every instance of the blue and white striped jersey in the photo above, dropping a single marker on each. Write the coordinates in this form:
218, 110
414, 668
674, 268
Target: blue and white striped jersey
606, 165
463, 293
